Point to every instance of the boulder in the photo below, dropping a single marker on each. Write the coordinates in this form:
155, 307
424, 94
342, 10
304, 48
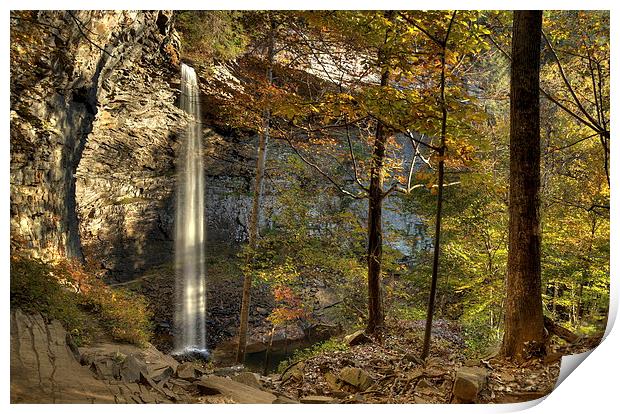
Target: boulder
186, 371
161, 374
332, 381
105, 368
131, 368
357, 338
468, 383
248, 378
355, 377
238, 392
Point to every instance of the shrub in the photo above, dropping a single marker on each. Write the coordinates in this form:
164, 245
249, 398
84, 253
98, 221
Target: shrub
35, 287
123, 313
75, 296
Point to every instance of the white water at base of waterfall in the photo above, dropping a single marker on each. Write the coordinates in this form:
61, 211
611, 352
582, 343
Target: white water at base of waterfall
190, 291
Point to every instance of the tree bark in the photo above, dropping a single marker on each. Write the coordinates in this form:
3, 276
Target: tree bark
524, 326
440, 179
375, 230
253, 227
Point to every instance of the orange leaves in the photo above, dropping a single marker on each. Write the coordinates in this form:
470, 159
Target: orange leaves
289, 307
282, 293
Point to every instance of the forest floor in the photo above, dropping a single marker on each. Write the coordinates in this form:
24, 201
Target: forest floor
46, 367
391, 372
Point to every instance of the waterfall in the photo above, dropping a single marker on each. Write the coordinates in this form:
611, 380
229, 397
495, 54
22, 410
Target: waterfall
190, 225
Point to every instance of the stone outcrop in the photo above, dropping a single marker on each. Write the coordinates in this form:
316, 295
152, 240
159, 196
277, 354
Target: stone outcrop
63, 66
237, 391
468, 383
94, 131
45, 368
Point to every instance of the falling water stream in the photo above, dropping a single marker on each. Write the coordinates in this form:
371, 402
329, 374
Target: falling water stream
190, 226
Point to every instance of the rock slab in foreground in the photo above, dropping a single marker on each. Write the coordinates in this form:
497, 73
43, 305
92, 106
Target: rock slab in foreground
317, 399
240, 393
356, 377
469, 382
44, 368
250, 379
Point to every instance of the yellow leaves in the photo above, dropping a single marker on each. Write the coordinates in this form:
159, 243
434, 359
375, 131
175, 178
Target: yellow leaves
424, 176
452, 57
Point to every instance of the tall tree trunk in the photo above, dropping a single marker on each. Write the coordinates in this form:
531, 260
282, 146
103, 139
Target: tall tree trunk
375, 231
524, 316
253, 227
375, 204
440, 179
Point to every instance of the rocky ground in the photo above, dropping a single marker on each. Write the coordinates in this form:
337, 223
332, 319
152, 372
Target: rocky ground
46, 367
369, 372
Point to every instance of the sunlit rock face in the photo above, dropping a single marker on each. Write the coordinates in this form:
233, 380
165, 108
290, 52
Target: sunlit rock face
67, 70
126, 177
190, 224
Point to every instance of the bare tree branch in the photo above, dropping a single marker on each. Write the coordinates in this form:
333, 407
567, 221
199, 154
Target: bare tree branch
546, 94
567, 83
323, 173
572, 144
352, 155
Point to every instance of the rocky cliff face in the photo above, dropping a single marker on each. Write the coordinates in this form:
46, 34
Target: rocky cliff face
94, 131
126, 177
70, 74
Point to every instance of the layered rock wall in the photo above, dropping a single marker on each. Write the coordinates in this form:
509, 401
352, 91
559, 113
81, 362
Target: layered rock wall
64, 68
